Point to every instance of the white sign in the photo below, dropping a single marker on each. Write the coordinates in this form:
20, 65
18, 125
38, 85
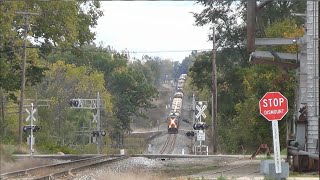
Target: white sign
94, 118
31, 114
201, 135
276, 146
201, 111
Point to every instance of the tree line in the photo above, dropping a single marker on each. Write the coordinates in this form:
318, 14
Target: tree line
241, 84
64, 63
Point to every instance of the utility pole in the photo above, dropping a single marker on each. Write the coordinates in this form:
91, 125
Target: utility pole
3, 112
23, 69
251, 25
214, 95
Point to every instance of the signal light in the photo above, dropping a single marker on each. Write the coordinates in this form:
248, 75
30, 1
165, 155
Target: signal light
103, 133
95, 133
190, 133
74, 102
200, 126
98, 133
34, 128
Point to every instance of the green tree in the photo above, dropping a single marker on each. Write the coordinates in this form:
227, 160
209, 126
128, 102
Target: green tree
62, 24
239, 84
132, 93
62, 83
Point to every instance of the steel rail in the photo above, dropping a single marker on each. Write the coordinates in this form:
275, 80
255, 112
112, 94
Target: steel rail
164, 147
72, 171
171, 140
172, 144
39, 171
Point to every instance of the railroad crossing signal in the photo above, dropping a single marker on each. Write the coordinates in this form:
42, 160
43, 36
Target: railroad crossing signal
201, 111
31, 114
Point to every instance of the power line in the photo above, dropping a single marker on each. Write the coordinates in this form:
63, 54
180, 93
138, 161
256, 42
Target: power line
119, 51
168, 51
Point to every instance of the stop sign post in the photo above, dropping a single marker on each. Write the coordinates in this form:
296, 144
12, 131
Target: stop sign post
274, 106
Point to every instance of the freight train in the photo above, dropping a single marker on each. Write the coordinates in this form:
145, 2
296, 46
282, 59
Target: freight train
176, 107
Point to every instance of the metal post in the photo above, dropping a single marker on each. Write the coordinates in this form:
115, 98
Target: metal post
200, 144
318, 84
98, 124
31, 130
193, 108
90, 129
214, 95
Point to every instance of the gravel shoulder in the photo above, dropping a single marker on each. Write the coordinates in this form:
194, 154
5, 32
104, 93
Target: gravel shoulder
178, 168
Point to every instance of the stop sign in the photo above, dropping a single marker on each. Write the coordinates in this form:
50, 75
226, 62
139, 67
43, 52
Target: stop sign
273, 106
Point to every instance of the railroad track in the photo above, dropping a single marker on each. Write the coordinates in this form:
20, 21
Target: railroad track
169, 144
60, 169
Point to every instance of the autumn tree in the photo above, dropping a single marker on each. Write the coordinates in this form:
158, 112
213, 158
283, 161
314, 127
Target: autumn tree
59, 24
241, 85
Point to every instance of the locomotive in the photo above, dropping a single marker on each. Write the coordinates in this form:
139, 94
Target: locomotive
176, 107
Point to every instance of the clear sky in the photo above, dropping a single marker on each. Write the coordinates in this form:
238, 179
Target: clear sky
145, 26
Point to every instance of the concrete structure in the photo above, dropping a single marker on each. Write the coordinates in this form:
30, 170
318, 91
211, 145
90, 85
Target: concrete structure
312, 76
307, 101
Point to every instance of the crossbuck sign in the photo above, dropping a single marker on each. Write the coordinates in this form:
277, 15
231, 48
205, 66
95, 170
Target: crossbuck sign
31, 114
201, 111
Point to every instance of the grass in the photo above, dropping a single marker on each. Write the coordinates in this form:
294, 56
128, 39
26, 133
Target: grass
185, 169
136, 145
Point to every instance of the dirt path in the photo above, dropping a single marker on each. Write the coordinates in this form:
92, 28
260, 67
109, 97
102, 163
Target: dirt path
238, 169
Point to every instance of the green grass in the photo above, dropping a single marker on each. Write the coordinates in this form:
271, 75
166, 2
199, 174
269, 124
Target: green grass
136, 145
185, 169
